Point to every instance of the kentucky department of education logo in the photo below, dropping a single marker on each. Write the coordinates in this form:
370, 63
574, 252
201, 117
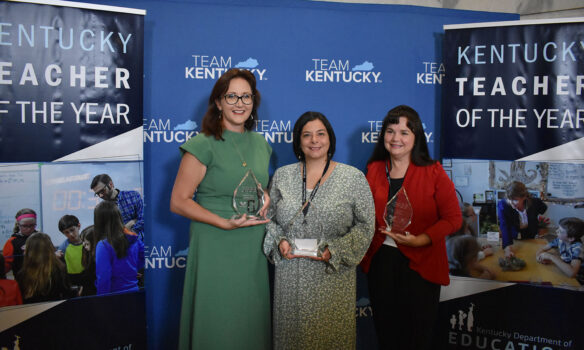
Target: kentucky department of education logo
466, 333
211, 67
324, 70
161, 130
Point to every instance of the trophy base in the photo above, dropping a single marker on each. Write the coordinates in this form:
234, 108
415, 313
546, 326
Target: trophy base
306, 247
301, 252
249, 217
388, 229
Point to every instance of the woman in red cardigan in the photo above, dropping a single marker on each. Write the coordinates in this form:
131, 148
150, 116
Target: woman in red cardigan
405, 270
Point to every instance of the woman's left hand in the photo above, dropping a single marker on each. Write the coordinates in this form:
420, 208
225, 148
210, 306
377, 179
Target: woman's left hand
410, 240
326, 255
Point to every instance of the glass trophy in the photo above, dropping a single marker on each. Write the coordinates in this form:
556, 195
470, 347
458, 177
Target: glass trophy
309, 233
398, 213
248, 197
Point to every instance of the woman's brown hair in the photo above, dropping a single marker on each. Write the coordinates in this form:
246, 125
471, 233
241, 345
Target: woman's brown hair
40, 268
211, 124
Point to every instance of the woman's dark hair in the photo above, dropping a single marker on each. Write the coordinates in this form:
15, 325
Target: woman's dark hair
420, 155
211, 124
297, 133
108, 223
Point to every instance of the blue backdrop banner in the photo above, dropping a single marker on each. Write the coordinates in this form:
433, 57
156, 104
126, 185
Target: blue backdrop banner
351, 62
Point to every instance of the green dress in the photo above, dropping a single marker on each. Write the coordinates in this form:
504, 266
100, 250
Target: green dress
226, 297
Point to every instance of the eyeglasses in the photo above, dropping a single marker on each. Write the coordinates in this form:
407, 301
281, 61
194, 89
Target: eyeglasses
27, 226
100, 192
232, 99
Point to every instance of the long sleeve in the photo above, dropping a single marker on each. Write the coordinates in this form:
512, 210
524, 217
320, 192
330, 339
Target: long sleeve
8, 253
141, 259
131, 207
139, 225
348, 250
508, 229
103, 267
449, 214
436, 213
274, 231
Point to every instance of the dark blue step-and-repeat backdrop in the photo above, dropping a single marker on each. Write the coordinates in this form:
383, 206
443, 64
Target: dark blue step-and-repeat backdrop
352, 63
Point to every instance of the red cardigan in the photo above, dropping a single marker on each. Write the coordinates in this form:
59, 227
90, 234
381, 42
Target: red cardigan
436, 213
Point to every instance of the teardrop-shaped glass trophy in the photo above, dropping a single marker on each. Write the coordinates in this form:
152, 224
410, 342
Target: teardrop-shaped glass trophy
248, 197
398, 213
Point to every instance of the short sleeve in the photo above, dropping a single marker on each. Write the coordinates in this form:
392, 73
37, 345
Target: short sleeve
268, 147
200, 147
554, 243
63, 246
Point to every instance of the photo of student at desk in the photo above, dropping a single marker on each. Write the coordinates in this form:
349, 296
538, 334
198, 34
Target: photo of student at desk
519, 253
533, 272
523, 222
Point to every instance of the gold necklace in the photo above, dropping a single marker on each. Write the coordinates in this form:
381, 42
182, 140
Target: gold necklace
243, 162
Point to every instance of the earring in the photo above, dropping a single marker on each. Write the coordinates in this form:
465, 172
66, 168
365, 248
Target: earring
220, 114
251, 116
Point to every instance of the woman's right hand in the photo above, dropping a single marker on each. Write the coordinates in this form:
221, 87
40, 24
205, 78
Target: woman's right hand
285, 249
509, 252
243, 221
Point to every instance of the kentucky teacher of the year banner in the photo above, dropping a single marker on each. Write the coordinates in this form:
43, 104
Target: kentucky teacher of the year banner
513, 111
514, 91
69, 78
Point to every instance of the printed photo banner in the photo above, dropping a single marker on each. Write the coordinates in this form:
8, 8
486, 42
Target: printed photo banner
516, 88
71, 87
513, 111
69, 78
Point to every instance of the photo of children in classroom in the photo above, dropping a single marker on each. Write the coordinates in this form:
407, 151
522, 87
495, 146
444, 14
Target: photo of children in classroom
522, 222
70, 229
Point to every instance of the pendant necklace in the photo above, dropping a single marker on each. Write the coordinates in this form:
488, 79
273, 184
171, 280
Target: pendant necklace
243, 162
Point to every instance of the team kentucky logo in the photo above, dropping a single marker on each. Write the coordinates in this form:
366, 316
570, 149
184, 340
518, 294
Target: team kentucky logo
325, 70
203, 67
161, 130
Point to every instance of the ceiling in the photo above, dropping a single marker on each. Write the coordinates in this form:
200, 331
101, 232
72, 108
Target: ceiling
527, 9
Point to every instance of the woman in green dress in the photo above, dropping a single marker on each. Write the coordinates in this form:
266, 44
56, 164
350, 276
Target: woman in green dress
226, 298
